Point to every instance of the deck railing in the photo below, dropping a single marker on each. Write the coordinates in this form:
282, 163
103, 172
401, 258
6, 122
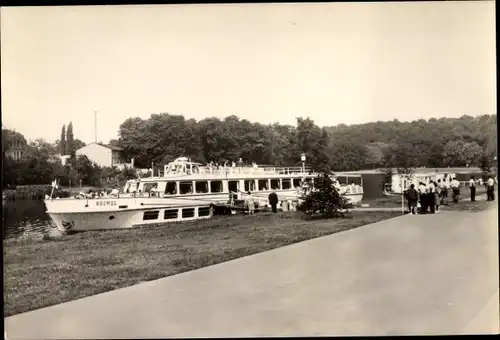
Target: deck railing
225, 171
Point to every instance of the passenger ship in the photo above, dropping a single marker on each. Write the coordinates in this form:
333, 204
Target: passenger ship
185, 191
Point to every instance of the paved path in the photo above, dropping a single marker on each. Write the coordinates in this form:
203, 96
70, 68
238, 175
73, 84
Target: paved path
429, 274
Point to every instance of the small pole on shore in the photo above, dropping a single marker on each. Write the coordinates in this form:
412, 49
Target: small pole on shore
402, 197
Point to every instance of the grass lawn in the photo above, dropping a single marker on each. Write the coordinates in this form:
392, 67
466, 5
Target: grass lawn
383, 202
470, 206
40, 273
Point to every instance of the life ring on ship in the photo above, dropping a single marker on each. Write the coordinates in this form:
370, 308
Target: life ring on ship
67, 225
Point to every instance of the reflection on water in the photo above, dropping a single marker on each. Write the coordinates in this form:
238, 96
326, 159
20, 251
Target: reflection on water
26, 218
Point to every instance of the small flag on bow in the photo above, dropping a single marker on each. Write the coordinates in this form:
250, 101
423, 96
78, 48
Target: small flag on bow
54, 184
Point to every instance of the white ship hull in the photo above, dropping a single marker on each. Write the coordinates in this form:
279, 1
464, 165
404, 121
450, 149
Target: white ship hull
117, 213
71, 222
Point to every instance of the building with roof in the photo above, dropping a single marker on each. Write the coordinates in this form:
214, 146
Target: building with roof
14, 143
104, 155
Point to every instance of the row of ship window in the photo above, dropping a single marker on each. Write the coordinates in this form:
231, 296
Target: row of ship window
217, 187
170, 214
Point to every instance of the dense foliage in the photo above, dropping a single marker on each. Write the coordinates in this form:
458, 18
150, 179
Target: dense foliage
323, 200
163, 137
37, 192
433, 143
40, 165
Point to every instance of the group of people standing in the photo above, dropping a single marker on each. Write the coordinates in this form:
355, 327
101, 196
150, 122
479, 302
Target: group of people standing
227, 164
428, 197
250, 202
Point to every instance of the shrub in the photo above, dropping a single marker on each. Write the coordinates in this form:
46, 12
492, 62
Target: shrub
323, 199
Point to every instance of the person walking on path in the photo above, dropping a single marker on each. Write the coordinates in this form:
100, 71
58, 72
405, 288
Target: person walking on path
455, 186
422, 190
273, 201
442, 187
472, 187
490, 189
250, 204
431, 197
437, 196
447, 186
412, 197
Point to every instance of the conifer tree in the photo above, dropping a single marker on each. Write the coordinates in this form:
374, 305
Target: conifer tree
70, 140
62, 142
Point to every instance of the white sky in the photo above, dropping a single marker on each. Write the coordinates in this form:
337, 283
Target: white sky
335, 62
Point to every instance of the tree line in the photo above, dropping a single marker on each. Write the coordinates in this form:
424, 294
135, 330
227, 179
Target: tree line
454, 142
40, 163
163, 137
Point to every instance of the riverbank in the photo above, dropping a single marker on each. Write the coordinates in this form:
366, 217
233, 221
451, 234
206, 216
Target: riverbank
33, 192
41, 273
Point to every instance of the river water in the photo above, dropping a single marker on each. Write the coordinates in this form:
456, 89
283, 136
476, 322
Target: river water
26, 218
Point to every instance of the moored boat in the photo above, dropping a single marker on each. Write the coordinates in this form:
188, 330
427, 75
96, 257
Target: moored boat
185, 191
399, 183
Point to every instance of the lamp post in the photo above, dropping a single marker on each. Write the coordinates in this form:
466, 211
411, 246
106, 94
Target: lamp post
303, 159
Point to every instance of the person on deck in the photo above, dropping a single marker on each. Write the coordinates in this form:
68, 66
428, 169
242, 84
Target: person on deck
273, 201
412, 197
472, 187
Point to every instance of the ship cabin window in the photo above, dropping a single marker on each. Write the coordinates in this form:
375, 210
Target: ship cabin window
202, 187
151, 215
186, 188
216, 186
171, 188
341, 180
263, 184
203, 211
170, 214
286, 183
275, 184
131, 187
180, 168
249, 185
148, 186
233, 186
355, 180
297, 183
196, 169
187, 212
